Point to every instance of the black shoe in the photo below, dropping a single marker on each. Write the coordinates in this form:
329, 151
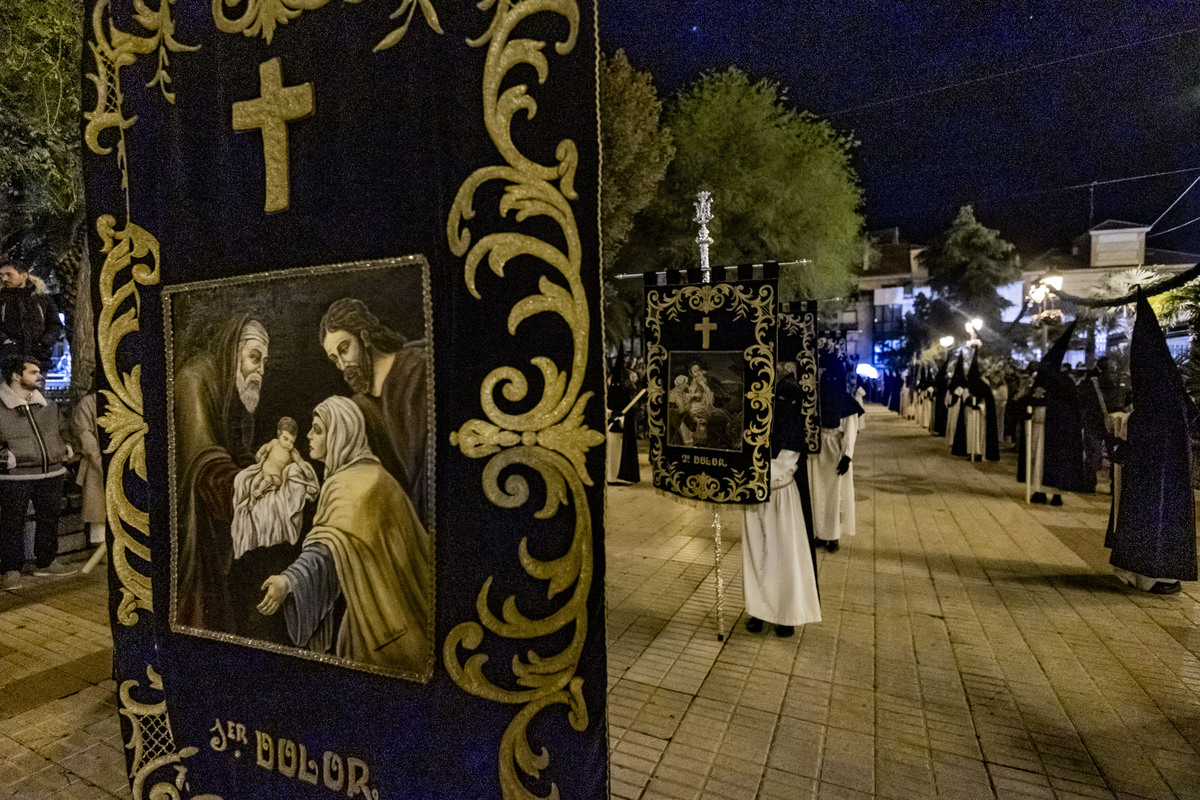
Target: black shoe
1038, 497
754, 625
1166, 587
979, 458
784, 631
1056, 500
832, 545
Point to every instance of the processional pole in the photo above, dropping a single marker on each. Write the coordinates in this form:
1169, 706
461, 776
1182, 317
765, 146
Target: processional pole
704, 216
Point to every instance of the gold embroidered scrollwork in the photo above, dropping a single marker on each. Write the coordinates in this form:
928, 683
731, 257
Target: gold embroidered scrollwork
114, 49
262, 17
129, 247
803, 326
123, 419
153, 744
550, 439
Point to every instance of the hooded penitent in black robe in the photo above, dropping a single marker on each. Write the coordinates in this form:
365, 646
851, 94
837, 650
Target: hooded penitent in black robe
981, 397
897, 386
939, 398
1155, 530
1064, 466
957, 407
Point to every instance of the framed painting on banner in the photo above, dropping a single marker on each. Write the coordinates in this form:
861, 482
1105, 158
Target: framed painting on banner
333, 495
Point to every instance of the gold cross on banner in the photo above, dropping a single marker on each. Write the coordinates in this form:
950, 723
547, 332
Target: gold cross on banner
706, 327
271, 112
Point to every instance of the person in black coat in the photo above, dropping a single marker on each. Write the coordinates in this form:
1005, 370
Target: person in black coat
29, 321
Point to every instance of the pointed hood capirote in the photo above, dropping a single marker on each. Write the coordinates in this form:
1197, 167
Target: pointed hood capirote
1064, 468
959, 378
1154, 533
835, 402
1058, 351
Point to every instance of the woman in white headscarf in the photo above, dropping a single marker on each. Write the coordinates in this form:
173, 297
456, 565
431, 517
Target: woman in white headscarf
367, 545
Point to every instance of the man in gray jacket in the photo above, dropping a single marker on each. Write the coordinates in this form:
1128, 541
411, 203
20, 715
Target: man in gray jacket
31, 468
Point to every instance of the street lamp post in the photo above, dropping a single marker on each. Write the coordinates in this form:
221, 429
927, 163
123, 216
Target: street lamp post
973, 327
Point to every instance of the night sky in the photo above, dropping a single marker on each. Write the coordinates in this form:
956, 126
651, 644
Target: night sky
1038, 97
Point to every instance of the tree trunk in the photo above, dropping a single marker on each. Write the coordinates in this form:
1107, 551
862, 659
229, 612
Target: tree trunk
83, 346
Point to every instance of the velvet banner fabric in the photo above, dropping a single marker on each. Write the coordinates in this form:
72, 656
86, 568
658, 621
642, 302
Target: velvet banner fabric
290, 202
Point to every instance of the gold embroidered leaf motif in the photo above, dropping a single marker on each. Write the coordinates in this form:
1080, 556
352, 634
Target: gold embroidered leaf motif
573, 439
709, 297
553, 440
409, 6
478, 439
261, 16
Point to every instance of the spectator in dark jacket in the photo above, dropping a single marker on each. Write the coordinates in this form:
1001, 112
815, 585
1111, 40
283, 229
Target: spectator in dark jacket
29, 322
31, 469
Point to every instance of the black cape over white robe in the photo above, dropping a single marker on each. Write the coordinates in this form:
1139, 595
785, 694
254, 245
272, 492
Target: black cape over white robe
1155, 529
1063, 468
779, 573
956, 426
981, 411
833, 494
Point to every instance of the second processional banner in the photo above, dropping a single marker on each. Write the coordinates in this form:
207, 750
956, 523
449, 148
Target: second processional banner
710, 365
798, 347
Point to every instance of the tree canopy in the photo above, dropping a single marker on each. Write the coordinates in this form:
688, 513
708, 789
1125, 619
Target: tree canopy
40, 172
967, 263
782, 183
636, 150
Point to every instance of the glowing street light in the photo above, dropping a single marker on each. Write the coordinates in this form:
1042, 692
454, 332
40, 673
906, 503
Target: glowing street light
973, 327
946, 342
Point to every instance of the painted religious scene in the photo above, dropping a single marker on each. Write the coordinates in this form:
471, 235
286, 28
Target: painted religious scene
300, 424
704, 404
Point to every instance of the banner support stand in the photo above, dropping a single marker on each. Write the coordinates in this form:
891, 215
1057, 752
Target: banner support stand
720, 581
704, 216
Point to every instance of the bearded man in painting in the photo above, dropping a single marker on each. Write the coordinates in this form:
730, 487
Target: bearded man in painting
216, 392
388, 374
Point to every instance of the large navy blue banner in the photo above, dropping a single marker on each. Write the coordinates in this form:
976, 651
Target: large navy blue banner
346, 288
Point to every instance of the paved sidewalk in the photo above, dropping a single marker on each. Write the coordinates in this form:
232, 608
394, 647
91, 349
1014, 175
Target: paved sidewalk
972, 647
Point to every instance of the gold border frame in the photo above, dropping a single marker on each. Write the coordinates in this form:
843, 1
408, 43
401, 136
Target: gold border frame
169, 293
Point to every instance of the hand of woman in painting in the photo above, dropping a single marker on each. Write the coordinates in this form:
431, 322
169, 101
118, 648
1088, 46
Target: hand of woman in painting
277, 589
